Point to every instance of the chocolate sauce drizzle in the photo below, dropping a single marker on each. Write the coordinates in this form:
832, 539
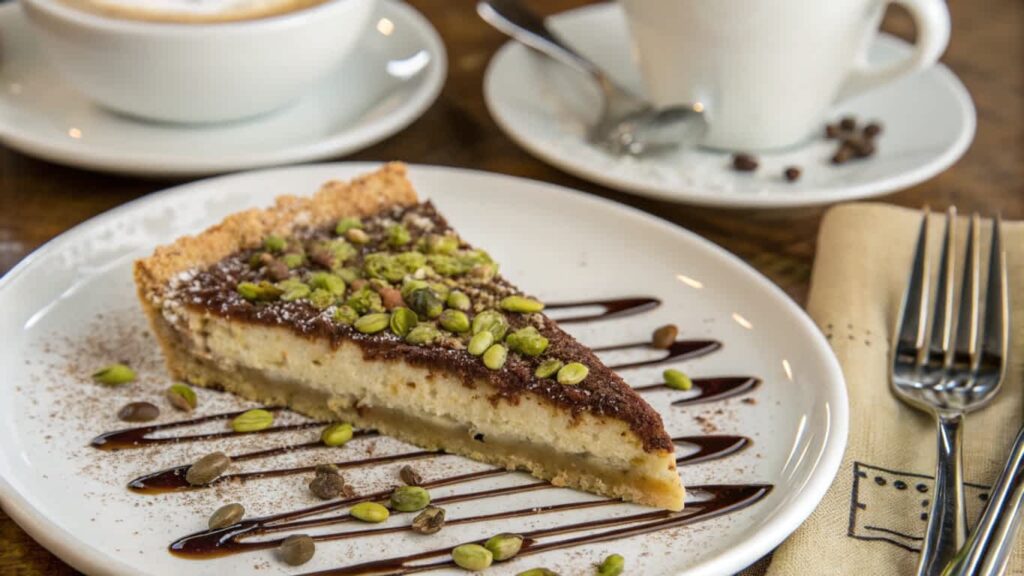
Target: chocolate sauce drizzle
718, 499
612, 308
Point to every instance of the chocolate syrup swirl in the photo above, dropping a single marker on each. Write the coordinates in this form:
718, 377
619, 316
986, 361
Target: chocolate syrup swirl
679, 350
710, 389
612, 308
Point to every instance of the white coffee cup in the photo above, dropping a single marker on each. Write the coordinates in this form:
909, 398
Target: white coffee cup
767, 71
194, 73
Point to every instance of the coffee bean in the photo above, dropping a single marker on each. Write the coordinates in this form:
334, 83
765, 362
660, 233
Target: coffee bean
327, 486
138, 412
744, 162
848, 123
207, 469
792, 174
277, 271
297, 549
410, 476
322, 258
872, 130
843, 154
226, 515
664, 336
831, 131
862, 148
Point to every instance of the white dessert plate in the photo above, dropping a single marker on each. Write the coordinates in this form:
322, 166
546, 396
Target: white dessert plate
387, 82
928, 120
70, 307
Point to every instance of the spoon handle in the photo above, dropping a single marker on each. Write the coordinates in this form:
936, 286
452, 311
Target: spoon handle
512, 18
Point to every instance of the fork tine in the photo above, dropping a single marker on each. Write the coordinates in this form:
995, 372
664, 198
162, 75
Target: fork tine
910, 336
942, 322
994, 337
965, 346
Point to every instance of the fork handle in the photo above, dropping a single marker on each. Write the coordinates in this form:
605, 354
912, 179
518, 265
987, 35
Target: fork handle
947, 521
987, 551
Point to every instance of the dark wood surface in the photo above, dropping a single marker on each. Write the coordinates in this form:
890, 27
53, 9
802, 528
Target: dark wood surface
39, 200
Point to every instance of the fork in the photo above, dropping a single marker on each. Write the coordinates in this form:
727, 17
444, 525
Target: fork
950, 366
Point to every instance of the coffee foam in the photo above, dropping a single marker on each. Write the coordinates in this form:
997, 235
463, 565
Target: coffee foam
190, 11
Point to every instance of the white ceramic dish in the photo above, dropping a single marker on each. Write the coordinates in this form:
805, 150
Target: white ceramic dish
928, 119
71, 497
390, 79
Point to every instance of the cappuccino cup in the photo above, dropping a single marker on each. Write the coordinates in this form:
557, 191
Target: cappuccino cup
767, 71
197, 61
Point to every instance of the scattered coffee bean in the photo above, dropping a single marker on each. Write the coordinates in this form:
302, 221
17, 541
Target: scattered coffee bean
664, 336
277, 271
848, 123
429, 521
792, 174
873, 129
832, 131
410, 476
207, 469
138, 412
744, 162
843, 154
861, 147
226, 515
297, 549
327, 486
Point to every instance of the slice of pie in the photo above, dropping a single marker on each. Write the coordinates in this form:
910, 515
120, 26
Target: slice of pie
362, 304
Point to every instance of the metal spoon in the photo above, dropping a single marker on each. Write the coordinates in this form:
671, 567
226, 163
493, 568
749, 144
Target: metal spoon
628, 125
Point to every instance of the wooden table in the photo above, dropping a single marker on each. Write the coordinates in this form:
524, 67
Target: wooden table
39, 200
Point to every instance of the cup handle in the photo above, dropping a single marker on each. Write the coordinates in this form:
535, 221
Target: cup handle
931, 18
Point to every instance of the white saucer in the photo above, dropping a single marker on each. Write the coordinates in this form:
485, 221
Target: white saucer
392, 78
928, 120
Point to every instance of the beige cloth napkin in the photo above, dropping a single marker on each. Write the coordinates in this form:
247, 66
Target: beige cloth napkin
871, 520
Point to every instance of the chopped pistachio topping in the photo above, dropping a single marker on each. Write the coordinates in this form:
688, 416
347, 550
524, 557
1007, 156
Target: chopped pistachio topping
369, 512
345, 315
114, 375
676, 379
495, 356
252, 420
327, 281
262, 291
422, 335
293, 260
274, 243
293, 289
548, 368
458, 300
365, 300
321, 298
372, 323
454, 321
520, 304
492, 321
480, 342
398, 235
337, 434
572, 373
527, 341
357, 236
425, 302
442, 244
346, 224
403, 320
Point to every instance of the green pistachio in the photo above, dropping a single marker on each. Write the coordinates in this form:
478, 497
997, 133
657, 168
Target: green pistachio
336, 434
527, 341
491, 321
252, 420
484, 272
454, 321
327, 281
341, 250
365, 300
372, 323
472, 557
504, 546
348, 274
403, 320
612, 566
357, 236
409, 499
293, 260
274, 243
422, 335
346, 224
495, 356
345, 315
446, 265
393, 268
411, 261
459, 301
263, 291
441, 289
520, 304
426, 303
442, 244
676, 379
182, 397
548, 368
480, 342
410, 285
321, 298
226, 515
294, 289
537, 572
572, 373
398, 235
369, 512
114, 375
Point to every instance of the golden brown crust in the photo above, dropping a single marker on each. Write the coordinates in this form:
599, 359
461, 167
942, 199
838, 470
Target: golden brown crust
362, 196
